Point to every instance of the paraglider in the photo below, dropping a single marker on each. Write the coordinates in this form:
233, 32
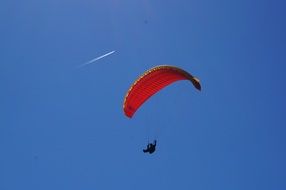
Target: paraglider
151, 147
148, 84
151, 82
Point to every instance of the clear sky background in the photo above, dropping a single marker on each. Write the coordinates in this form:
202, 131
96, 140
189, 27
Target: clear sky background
64, 128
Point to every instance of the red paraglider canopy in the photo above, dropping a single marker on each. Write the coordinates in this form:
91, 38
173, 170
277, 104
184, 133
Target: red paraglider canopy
151, 82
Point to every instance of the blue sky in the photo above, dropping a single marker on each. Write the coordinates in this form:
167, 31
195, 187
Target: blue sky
64, 128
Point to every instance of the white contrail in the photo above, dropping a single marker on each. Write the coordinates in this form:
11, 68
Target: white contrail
96, 59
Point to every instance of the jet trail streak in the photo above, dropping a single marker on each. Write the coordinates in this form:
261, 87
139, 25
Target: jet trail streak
96, 59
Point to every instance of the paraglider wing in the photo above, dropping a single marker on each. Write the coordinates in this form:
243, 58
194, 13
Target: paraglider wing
151, 82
